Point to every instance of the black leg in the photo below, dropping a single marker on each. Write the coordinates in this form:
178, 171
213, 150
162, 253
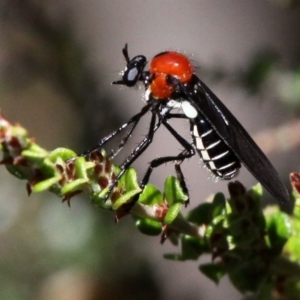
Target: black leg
188, 152
135, 119
183, 142
175, 116
178, 159
124, 140
181, 179
142, 146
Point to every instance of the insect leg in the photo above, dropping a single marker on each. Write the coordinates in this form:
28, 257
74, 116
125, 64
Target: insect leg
178, 159
141, 147
175, 116
135, 119
124, 140
180, 177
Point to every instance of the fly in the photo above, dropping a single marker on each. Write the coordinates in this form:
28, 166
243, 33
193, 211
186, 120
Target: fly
220, 140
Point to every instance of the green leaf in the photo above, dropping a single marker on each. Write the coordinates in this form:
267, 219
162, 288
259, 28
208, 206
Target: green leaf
33, 155
45, 184
125, 198
18, 171
172, 213
151, 195
173, 191
47, 168
296, 211
62, 153
279, 228
74, 186
205, 212
131, 180
292, 246
193, 247
80, 166
149, 227
213, 271
257, 192
248, 274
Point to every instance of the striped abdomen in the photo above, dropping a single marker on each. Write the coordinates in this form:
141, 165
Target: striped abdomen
216, 155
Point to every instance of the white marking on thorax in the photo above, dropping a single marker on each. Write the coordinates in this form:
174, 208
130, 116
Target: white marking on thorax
189, 110
147, 94
174, 104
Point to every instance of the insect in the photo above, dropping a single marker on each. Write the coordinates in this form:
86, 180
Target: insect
217, 136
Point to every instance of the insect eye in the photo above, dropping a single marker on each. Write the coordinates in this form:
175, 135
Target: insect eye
134, 70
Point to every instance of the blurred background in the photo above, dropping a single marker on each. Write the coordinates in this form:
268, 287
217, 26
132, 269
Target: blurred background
57, 62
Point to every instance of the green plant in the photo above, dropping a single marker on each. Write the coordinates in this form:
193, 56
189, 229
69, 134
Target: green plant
257, 249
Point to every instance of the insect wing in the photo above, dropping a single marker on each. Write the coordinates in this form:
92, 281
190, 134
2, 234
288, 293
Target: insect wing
237, 138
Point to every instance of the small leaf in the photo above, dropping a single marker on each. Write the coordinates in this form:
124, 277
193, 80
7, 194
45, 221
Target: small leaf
193, 247
151, 195
213, 271
34, 156
62, 153
74, 186
46, 184
201, 214
257, 192
48, 169
149, 227
131, 181
80, 166
125, 198
296, 211
205, 212
279, 228
173, 191
18, 171
172, 213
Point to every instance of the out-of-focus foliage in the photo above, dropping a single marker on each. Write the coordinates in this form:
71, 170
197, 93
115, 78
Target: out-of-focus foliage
286, 3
